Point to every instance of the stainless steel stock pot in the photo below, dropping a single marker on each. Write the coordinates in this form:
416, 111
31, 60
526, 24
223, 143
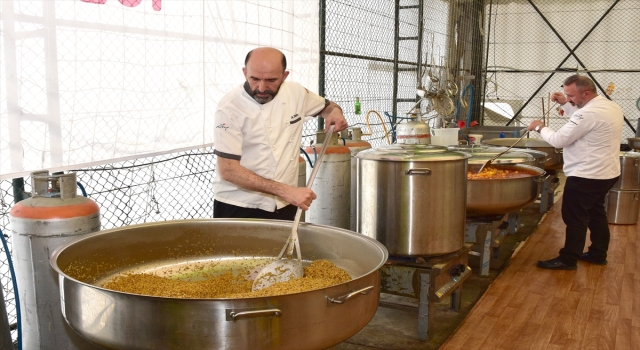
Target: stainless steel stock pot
412, 199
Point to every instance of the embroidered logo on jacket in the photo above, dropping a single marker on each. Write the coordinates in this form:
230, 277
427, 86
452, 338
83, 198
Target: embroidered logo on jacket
576, 118
222, 126
295, 118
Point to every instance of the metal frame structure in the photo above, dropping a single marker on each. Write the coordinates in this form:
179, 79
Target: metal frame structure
571, 53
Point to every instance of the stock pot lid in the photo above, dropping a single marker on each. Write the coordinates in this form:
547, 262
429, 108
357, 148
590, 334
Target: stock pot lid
403, 147
476, 148
412, 153
511, 157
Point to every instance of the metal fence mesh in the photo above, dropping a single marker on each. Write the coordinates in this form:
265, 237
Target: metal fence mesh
168, 187
367, 52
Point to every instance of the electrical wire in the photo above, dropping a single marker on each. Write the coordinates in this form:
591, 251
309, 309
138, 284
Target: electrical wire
386, 132
15, 288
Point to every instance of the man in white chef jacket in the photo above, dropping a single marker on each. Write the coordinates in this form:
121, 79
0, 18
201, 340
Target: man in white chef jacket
591, 152
257, 137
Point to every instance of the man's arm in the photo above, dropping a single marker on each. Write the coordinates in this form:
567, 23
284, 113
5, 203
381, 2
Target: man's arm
231, 170
332, 114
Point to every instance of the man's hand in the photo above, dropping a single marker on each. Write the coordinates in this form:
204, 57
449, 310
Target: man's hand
559, 97
300, 197
231, 170
532, 126
332, 115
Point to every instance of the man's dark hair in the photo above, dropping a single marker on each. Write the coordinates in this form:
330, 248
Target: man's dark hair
582, 82
284, 60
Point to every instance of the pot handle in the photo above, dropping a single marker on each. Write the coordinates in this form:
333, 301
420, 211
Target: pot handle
559, 150
342, 299
542, 178
418, 171
232, 315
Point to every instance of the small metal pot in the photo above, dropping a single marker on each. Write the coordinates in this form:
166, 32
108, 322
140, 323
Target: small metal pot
488, 197
316, 319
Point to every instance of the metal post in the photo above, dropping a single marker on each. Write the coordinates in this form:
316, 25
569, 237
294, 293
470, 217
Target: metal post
425, 307
456, 298
419, 57
396, 50
486, 63
322, 66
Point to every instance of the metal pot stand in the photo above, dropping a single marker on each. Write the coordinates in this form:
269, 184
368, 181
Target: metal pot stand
428, 279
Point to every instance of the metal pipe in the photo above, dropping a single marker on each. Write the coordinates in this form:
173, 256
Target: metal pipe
396, 49
486, 63
18, 190
322, 66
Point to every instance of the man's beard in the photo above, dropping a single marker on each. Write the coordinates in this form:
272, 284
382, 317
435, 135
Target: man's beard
263, 100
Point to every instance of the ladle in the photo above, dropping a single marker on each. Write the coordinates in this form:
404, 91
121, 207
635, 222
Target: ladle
503, 152
515, 143
286, 268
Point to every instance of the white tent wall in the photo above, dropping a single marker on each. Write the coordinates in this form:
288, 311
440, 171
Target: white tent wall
87, 83
125, 96
524, 51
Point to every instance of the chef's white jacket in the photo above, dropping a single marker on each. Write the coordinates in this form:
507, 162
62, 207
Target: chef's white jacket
590, 140
265, 138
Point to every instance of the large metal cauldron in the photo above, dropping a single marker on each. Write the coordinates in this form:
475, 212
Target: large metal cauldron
488, 197
316, 319
412, 199
554, 160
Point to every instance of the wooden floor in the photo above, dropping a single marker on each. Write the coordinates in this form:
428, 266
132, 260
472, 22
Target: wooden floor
595, 307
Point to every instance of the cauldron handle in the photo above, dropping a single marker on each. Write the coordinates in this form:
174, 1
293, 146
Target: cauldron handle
342, 299
540, 179
233, 314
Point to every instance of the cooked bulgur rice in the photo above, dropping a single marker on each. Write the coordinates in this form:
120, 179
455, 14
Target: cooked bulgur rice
495, 173
320, 274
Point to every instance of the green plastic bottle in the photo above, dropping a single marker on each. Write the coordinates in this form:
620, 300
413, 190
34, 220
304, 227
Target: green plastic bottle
357, 105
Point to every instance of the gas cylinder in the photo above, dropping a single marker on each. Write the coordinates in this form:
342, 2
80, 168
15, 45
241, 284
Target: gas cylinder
52, 217
332, 185
353, 140
414, 131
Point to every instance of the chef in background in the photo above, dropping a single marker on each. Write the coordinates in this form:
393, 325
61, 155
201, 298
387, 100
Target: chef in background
591, 150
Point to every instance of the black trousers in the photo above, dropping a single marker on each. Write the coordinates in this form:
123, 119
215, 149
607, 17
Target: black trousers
224, 210
582, 208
